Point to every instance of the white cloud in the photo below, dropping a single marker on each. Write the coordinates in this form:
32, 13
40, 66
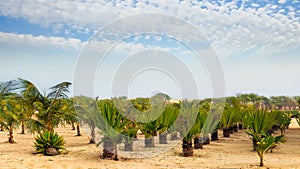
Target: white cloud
282, 1
265, 29
40, 41
250, 32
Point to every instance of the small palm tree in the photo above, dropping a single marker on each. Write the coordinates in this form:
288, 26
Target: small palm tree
128, 135
197, 128
166, 121
150, 120
49, 143
227, 120
258, 123
283, 120
188, 127
266, 143
111, 124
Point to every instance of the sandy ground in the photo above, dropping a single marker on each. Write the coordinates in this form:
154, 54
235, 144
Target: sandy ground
233, 152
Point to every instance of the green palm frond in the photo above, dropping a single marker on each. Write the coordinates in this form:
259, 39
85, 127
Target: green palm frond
188, 115
59, 91
258, 122
8, 87
48, 140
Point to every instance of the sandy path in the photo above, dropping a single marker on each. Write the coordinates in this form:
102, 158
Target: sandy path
233, 152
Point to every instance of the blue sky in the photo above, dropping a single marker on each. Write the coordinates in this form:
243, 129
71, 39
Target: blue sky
257, 42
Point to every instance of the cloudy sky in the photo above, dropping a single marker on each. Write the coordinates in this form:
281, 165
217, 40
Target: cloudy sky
257, 44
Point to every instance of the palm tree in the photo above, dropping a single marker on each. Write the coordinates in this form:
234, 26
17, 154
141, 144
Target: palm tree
7, 92
173, 129
227, 120
258, 123
283, 119
150, 120
197, 127
85, 108
266, 143
10, 114
128, 135
166, 120
72, 117
111, 124
51, 108
188, 127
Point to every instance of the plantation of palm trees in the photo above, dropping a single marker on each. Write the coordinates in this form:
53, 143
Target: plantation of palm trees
51, 128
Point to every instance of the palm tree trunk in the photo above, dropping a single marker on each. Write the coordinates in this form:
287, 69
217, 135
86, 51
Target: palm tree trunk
206, 140
214, 135
108, 148
78, 130
23, 128
49, 124
163, 138
226, 132
73, 126
116, 153
92, 140
11, 137
198, 143
174, 136
149, 142
187, 148
261, 156
128, 146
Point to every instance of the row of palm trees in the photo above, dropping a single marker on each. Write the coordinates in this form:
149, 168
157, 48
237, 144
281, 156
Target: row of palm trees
120, 119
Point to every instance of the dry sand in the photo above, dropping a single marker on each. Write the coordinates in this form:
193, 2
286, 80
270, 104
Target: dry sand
233, 152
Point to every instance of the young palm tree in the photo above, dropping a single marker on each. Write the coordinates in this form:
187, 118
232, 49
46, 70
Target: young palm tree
111, 124
188, 127
227, 119
166, 120
128, 135
266, 143
283, 120
197, 127
173, 129
148, 117
258, 123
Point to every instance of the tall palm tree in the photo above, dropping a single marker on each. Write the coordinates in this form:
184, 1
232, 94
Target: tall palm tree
50, 107
10, 110
86, 108
71, 117
10, 114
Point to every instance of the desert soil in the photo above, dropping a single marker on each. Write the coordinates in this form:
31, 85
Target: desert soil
233, 152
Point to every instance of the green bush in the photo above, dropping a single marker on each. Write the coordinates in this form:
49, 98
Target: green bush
49, 143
